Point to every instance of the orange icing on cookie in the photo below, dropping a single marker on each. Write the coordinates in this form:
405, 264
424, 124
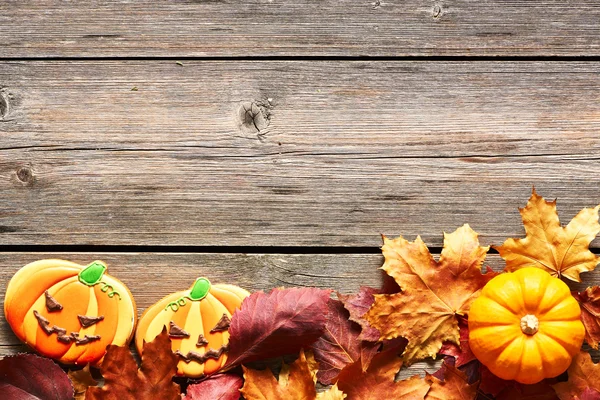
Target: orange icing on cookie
69, 312
205, 310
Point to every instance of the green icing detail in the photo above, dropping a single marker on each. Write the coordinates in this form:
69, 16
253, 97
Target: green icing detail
92, 274
200, 289
108, 288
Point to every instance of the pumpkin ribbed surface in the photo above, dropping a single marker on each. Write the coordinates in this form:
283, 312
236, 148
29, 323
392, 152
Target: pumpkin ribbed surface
525, 326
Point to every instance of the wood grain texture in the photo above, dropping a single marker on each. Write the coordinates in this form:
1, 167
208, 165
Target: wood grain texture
290, 153
215, 28
151, 276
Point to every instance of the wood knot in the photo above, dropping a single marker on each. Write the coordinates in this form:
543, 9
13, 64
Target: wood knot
437, 11
254, 118
4, 105
25, 175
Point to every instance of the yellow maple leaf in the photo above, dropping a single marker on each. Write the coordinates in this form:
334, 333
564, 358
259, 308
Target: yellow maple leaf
333, 393
295, 383
433, 293
560, 251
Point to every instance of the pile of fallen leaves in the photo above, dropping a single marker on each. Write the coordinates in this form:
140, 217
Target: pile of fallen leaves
308, 343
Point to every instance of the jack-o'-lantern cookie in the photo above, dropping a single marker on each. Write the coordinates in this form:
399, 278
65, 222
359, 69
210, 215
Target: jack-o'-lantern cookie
69, 312
197, 320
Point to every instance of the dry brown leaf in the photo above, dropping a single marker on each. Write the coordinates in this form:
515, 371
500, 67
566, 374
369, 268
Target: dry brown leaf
433, 293
589, 300
378, 382
123, 380
453, 386
583, 374
333, 393
560, 251
295, 383
82, 380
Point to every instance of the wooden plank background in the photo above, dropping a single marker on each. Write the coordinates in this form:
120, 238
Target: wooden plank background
242, 28
270, 143
337, 153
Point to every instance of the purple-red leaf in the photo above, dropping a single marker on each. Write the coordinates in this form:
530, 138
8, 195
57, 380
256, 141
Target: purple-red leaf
358, 305
590, 394
462, 353
29, 377
278, 323
217, 387
339, 345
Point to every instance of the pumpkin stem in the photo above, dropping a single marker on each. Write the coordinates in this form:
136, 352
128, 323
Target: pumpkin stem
92, 274
530, 324
200, 289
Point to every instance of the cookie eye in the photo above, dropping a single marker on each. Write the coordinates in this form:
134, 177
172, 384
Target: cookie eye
86, 321
51, 304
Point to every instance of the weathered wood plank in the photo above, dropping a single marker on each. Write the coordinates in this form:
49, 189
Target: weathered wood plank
150, 276
335, 154
51, 28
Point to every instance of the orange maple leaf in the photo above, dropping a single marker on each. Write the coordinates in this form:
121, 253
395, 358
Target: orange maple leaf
583, 374
433, 293
295, 383
378, 383
454, 385
123, 380
560, 251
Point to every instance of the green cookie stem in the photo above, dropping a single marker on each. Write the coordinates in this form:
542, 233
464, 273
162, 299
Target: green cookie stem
92, 274
200, 289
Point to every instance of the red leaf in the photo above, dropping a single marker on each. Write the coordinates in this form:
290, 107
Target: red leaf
463, 352
358, 305
217, 387
512, 390
519, 391
339, 345
589, 394
280, 322
29, 377
589, 300
490, 383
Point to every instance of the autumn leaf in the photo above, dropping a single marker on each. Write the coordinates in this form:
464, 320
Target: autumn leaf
333, 393
123, 380
339, 345
518, 391
450, 383
295, 383
589, 300
29, 377
358, 305
589, 394
377, 383
462, 352
82, 379
583, 374
560, 251
278, 323
433, 293
216, 387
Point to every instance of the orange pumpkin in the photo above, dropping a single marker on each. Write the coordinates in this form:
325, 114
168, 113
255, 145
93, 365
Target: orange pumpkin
525, 326
197, 320
69, 312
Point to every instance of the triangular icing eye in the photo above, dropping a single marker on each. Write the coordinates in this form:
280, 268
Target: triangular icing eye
222, 325
52, 305
177, 332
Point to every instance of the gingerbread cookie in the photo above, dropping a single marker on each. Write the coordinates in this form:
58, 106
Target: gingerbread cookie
197, 320
69, 312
